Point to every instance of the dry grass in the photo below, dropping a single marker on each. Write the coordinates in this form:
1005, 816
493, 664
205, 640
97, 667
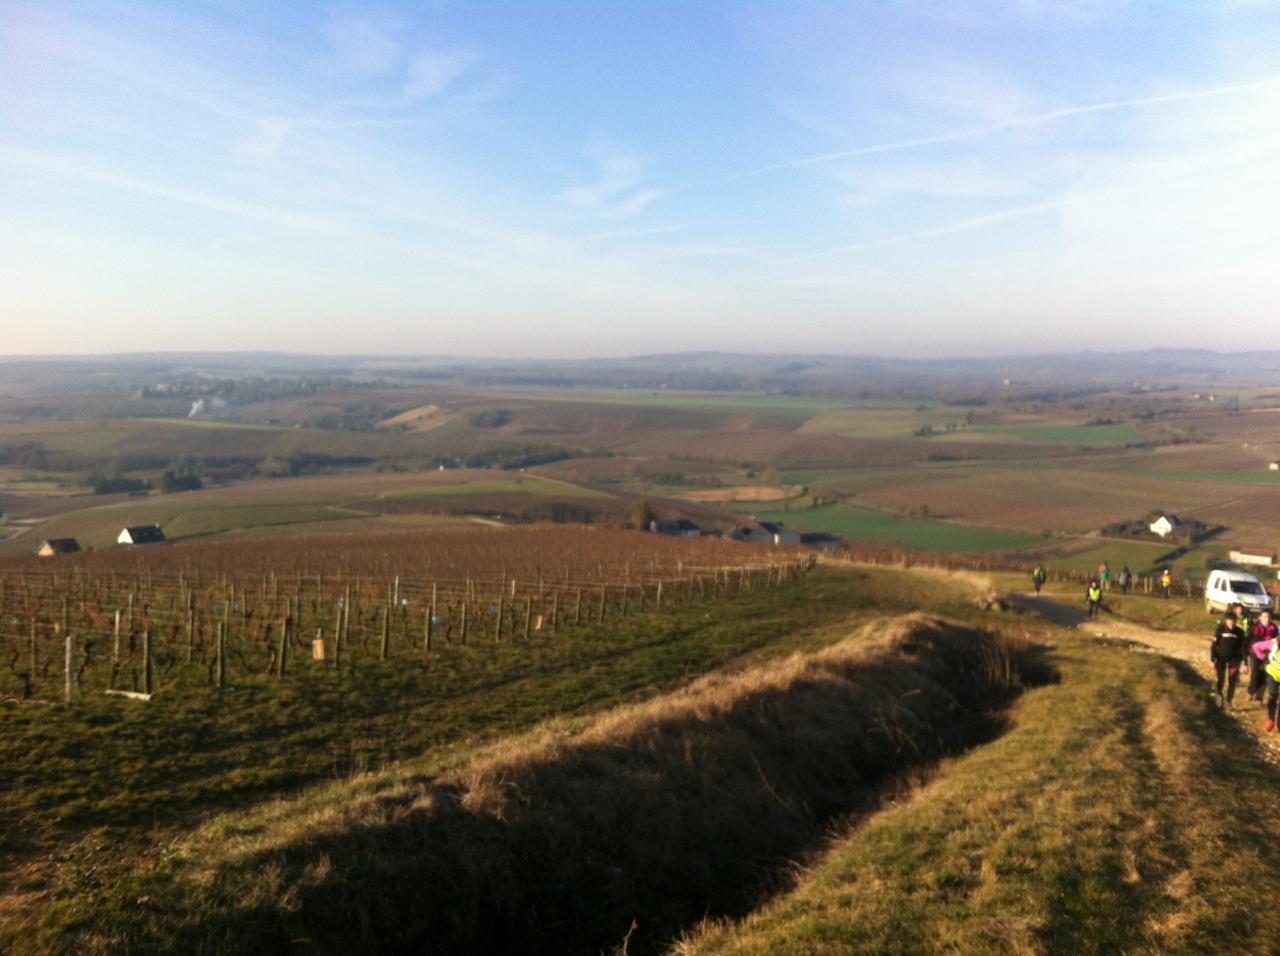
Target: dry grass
744, 493
420, 419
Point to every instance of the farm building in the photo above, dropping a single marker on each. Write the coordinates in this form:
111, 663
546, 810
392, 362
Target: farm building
766, 532
1273, 465
1259, 556
141, 534
53, 546
821, 540
679, 527
1165, 525
779, 534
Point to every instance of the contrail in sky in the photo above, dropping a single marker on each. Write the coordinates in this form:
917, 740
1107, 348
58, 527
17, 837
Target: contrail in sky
963, 225
1035, 120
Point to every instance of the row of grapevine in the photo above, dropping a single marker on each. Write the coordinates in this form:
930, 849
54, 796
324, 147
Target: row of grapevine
130, 621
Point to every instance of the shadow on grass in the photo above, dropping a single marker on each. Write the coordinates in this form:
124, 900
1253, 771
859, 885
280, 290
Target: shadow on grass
635, 831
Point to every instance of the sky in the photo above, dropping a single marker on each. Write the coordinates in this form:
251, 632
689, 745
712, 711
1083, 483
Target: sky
548, 178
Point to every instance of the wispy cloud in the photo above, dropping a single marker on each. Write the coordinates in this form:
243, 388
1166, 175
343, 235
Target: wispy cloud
631, 233
32, 161
432, 72
619, 191
1034, 120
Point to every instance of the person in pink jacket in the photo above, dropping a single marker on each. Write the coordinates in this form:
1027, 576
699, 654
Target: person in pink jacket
1261, 643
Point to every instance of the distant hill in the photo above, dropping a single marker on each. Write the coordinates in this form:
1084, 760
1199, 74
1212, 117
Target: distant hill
1154, 368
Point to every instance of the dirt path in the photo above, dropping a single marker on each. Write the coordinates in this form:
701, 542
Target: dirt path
1181, 645
1186, 646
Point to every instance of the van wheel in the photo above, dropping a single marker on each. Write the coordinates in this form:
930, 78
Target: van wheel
1208, 607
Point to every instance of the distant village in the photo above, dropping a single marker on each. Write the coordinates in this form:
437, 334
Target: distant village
764, 532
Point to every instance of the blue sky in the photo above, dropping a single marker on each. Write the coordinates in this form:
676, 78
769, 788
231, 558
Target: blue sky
605, 178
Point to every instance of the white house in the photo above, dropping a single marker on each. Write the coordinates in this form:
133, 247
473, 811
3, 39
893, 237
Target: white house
1273, 465
141, 534
1258, 556
1165, 525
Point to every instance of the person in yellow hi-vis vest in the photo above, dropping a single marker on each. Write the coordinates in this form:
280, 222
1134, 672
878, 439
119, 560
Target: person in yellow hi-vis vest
1166, 582
1094, 597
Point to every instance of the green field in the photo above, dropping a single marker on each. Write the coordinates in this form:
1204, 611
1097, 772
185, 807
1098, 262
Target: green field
735, 402
213, 521
1141, 557
859, 524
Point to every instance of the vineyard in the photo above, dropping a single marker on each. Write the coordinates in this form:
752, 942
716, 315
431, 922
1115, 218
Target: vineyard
137, 623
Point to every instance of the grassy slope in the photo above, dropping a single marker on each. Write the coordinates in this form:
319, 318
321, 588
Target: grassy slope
685, 804
1118, 815
131, 775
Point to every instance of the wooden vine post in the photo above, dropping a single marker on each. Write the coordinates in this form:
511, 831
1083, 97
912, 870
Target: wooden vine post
282, 646
70, 674
220, 656
147, 676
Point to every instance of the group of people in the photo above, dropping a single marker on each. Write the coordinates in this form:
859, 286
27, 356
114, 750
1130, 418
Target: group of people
1101, 582
1241, 644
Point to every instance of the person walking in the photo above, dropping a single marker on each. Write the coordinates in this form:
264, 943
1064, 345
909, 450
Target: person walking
1244, 621
1124, 579
1166, 582
1262, 643
1038, 578
1094, 597
1104, 576
1226, 651
1272, 669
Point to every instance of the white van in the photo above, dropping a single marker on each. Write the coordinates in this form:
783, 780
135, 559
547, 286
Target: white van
1225, 588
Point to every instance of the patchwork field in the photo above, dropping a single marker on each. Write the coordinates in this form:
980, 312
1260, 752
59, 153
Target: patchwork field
339, 502
1030, 465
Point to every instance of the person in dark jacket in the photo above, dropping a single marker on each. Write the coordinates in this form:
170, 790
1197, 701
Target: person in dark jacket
1227, 651
1124, 579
